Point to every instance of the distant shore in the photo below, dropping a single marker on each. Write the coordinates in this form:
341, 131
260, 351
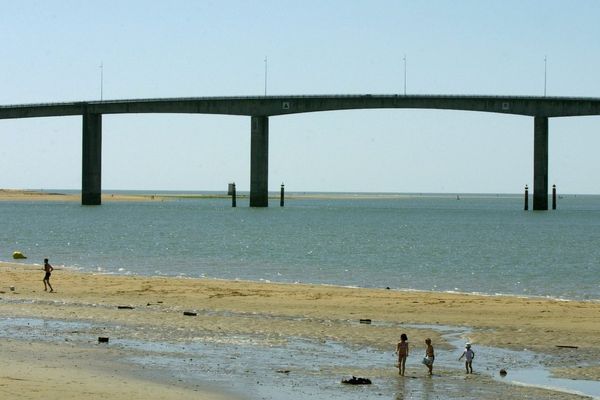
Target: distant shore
57, 195
40, 195
313, 312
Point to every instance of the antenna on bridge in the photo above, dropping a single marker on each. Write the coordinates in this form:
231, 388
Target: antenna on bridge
101, 81
265, 75
545, 73
404, 74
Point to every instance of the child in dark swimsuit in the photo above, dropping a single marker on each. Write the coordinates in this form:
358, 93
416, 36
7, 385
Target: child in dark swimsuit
402, 351
48, 268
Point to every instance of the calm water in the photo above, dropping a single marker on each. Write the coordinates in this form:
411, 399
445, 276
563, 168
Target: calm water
484, 244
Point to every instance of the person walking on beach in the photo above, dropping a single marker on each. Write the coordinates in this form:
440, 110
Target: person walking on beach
468, 354
402, 351
48, 268
429, 356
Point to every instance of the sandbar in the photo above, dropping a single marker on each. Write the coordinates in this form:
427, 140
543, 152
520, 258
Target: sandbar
42, 195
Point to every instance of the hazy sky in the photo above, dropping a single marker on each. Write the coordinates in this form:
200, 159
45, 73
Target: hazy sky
52, 51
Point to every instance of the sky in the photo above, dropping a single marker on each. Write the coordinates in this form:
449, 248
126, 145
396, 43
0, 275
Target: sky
59, 51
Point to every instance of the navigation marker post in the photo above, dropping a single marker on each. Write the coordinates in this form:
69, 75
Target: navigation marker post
231, 192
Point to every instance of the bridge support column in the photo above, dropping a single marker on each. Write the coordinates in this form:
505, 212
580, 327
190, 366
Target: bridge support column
91, 185
259, 161
540, 163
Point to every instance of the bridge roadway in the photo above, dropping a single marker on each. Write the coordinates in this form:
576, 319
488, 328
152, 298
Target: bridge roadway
260, 108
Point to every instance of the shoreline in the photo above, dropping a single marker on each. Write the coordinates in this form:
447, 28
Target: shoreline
82, 270
310, 312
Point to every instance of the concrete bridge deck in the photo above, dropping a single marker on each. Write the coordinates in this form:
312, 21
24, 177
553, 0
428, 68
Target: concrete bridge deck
260, 108
282, 105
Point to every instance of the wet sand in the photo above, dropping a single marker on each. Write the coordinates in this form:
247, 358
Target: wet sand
63, 371
279, 311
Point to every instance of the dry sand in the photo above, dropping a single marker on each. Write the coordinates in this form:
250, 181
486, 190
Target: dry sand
279, 310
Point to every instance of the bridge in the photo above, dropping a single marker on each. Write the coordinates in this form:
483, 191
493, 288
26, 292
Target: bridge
260, 108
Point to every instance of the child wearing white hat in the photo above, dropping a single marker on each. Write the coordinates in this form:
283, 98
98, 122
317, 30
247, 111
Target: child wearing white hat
468, 354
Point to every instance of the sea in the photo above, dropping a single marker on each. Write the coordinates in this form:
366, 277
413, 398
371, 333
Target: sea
468, 243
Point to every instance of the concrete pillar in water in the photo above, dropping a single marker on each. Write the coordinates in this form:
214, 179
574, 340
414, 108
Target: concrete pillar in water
91, 172
554, 197
540, 164
281, 201
526, 198
259, 161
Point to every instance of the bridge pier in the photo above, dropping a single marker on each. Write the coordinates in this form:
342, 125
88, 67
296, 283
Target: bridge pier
91, 172
259, 161
540, 163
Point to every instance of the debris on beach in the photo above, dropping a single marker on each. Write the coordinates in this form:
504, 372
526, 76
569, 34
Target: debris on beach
125, 307
503, 372
17, 255
190, 313
357, 381
102, 339
283, 371
565, 346
365, 321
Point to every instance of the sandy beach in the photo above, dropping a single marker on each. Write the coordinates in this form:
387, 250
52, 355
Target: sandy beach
155, 307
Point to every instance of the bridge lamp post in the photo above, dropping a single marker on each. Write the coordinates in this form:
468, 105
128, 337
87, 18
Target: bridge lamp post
101, 81
545, 73
404, 74
265, 75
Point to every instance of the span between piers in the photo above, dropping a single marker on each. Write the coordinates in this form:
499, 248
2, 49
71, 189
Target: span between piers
261, 108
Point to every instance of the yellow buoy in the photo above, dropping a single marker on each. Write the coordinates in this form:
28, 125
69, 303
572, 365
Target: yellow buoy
17, 255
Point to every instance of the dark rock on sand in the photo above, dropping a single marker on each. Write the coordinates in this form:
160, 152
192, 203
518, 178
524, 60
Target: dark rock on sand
357, 381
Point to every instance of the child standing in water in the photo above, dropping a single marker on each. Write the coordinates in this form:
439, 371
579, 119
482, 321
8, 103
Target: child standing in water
429, 356
402, 351
468, 354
